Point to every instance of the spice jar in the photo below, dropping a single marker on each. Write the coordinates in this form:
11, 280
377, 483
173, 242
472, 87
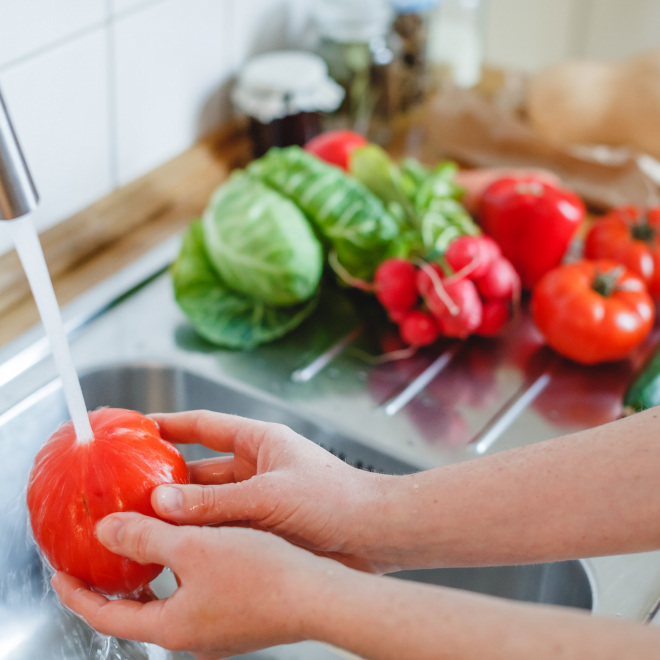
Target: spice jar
411, 26
283, 94
354, 40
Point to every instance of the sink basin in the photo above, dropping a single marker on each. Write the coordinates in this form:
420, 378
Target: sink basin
33, 625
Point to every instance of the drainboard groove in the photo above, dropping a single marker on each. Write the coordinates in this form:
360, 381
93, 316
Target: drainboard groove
522, 398
306, 373
395, 404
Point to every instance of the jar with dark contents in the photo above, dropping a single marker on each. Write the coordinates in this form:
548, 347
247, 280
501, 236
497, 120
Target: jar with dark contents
284, 95
411, 26
354, 39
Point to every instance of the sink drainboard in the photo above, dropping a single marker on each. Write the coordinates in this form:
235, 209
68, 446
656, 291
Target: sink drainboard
32, 625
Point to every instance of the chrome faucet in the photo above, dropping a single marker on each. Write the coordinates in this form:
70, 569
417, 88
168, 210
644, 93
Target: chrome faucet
18, 195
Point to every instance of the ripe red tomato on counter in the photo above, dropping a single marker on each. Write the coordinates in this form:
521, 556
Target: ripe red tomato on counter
532, 221
629, 235
73, 485
336, 147
592, 311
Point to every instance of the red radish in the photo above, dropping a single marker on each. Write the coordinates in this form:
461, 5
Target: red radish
424, 277
418, 329
494, 318
500, 282
463, 315
470, 256
490, 245
397, 315
395, 282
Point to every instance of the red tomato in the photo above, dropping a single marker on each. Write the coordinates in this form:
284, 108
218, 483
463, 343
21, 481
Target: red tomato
73, 485
532, 221
336, 147
593, 311
629, 235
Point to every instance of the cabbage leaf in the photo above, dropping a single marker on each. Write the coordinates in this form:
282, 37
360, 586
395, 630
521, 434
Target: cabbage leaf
352, 221
261, 244
221, 315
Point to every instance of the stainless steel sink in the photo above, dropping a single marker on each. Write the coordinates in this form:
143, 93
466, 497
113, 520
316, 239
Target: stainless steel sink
134, 349
31, 618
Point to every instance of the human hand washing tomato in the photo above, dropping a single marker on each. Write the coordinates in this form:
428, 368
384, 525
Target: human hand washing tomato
629, 235
74, 485
532, 221
593, 311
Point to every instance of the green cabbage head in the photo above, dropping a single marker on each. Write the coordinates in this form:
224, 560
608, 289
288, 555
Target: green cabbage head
261, 244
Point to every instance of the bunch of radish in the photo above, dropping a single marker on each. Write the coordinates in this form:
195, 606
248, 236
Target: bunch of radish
472, 289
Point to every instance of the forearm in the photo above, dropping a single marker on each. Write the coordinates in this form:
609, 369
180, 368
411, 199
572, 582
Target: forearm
591, 493
381, 618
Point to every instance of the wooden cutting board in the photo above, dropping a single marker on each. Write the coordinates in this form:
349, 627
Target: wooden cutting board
116, 230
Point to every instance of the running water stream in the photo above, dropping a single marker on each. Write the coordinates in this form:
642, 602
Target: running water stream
26, 241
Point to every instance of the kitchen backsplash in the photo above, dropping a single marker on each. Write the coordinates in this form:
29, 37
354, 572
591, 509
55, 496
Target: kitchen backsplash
102, 91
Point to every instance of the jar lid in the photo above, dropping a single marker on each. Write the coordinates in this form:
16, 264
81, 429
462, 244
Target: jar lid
353, 21
274, 85
414, 6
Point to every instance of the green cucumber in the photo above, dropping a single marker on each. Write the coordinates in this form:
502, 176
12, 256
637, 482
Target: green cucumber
644, 391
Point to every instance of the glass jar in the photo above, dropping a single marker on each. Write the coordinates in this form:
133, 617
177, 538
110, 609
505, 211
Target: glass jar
411, 26
284, 94
458, 42
354, 41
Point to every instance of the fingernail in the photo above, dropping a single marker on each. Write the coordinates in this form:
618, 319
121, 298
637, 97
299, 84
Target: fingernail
169, 499
108, 531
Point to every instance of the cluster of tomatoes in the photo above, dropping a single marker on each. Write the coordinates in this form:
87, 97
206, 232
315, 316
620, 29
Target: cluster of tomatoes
472, 290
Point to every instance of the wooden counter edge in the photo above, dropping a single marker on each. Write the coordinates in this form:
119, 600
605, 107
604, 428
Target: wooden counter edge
116, 230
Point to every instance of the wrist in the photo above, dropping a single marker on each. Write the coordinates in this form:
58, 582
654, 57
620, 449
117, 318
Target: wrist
378, 523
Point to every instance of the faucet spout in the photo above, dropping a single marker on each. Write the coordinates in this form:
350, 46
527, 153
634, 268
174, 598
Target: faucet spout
18, 195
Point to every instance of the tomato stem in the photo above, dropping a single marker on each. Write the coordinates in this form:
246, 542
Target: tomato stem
641, 230
606, 282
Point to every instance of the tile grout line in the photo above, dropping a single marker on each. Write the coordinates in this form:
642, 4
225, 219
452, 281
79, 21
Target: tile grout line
111, 84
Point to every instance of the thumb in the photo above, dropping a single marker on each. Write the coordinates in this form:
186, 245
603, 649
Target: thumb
201, 505
142, 538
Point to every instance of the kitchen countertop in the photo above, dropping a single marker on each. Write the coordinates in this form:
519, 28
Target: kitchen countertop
85, 249
117, 231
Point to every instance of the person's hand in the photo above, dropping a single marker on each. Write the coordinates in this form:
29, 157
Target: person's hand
278, 481
239, 589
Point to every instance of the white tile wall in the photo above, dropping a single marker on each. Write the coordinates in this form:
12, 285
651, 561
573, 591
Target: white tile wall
27, 26
59, 105
616, 30
528, 35
171, 68
118, 7
101, 91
